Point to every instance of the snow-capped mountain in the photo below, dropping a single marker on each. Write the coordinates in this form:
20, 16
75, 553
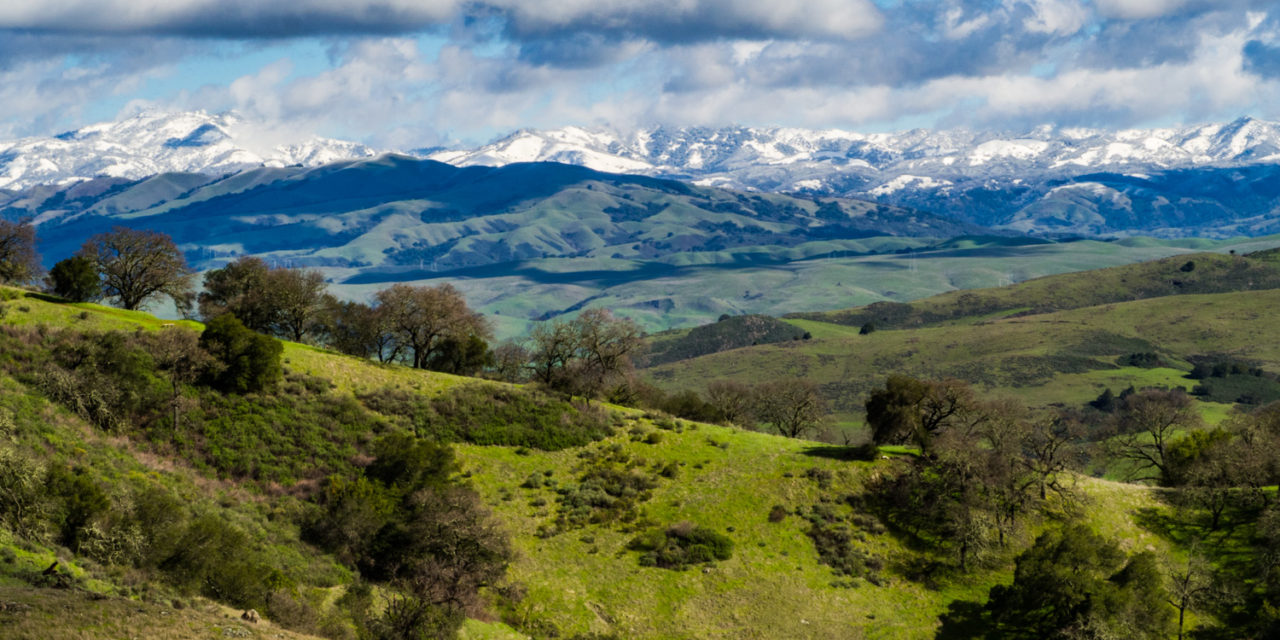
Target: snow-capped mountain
1213, 180
1024, 181
155, 142
806, 159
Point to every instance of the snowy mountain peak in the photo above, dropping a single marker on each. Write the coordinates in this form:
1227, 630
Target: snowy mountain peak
158, 142
679, 151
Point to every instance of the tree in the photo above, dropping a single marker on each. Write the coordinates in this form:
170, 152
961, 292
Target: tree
1074, 583
793, 406
422, 318
299, 298
137, 266
510, 362
555, 347
249, 361
463, 356
356, 329
586, 354
19, 262
177, 352
240, 288
76, 279
1190, 583
606, 345
910, 410
732, 400
1145, 423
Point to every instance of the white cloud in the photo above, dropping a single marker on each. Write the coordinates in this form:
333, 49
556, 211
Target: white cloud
1062, 17
1139, 9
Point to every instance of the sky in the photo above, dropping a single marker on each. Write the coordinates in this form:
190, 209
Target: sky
417, 73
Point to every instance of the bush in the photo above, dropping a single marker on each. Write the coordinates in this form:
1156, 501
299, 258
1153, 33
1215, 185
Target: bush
75, 279
250, 362
778, 513
681, 545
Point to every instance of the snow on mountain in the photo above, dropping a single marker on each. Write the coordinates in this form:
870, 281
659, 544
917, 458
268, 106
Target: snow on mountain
734, 154
1013, 181
155, 142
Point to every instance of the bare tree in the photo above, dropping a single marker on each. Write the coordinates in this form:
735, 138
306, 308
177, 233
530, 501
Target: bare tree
793, 406
1190, 583
299, 297
424, 317
137, 266
19, 262
1145, 424
584, 355
510, 362
732, 400
555, 346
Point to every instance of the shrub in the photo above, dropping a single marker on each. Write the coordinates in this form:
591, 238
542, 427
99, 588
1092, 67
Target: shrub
607, 492
249, 361
681, 545
778, 513
76, 279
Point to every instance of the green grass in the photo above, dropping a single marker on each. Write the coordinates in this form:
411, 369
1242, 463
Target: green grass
1065, 357
808, 277
586, 580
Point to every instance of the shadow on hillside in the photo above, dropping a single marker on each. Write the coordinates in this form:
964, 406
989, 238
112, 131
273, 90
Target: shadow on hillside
864, 453
44, 297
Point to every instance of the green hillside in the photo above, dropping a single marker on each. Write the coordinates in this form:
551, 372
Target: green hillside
1178, 275
594, 501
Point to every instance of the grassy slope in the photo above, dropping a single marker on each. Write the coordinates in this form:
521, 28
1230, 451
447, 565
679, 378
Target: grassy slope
51, 614
584, 580
1209, 273
813, 277
1067, 356
106, 610
773, 587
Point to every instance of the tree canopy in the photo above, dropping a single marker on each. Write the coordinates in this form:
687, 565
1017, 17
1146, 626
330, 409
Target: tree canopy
138, 266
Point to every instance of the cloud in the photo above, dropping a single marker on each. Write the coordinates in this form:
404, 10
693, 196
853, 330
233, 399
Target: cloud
493, 65
693, 20
657, 20
236, 19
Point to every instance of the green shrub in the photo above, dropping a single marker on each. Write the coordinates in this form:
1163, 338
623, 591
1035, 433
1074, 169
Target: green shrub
76, 279
680, 546
607, 492
249, 361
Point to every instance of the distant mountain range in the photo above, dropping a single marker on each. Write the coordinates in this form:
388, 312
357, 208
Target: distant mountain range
152, 143
398, 216
1213, 180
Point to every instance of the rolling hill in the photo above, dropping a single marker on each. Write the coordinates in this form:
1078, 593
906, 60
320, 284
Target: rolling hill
572, 511
582, 579
1060, 339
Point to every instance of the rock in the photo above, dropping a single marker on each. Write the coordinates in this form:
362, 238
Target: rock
250, 616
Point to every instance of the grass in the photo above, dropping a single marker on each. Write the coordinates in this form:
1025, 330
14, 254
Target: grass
27, 613
809, 277
585, 580
1065, 357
